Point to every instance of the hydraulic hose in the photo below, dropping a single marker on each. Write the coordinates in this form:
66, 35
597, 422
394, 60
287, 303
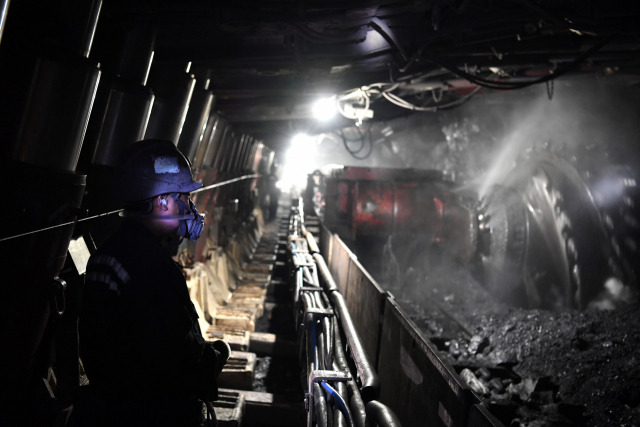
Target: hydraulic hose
307, 274
356, 404
328, 340
338, 418
381, 414
336, 403
320, 347
340, 401
320, 406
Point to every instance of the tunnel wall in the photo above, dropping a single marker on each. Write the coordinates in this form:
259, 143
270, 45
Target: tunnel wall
415, 382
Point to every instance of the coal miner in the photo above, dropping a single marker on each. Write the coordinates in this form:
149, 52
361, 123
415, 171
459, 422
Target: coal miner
141, 346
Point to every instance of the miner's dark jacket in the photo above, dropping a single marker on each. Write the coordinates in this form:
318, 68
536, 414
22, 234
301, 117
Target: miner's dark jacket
141, 345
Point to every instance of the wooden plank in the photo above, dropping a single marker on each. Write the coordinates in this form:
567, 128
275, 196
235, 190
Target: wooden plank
239, 371
238, 339
229, 408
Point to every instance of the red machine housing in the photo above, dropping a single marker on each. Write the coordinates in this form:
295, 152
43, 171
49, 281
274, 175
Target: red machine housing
365, 203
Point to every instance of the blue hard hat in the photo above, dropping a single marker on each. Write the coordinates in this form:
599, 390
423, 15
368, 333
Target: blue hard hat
152, 167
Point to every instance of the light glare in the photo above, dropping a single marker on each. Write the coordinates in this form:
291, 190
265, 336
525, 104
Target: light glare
324, 109
298, 162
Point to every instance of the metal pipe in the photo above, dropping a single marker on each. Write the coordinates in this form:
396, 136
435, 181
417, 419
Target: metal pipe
370, 384
329, 285
313, 245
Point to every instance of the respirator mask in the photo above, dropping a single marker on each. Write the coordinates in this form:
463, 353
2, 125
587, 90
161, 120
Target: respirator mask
191, 222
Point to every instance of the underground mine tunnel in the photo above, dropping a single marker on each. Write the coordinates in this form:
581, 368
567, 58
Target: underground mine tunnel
412, 214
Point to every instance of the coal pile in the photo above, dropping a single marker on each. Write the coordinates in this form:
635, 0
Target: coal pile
533, 367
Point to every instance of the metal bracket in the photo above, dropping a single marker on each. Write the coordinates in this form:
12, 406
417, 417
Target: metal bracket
315, 377
310, 289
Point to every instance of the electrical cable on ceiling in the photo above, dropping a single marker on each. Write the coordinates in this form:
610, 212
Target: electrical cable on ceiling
346, 140
354, 105
384, 90
578, 24
366, 93
353, 153
404, 104
494, 84
363, 96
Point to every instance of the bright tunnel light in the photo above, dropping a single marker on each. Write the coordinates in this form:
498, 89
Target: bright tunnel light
324, 109
298, 163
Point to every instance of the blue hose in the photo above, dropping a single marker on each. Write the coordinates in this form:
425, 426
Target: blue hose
340, 401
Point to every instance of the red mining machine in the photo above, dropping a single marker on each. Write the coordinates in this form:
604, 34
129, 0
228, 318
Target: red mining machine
398, 217
536, 240
364, 205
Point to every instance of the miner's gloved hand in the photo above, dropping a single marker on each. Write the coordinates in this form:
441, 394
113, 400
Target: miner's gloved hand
222, 351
